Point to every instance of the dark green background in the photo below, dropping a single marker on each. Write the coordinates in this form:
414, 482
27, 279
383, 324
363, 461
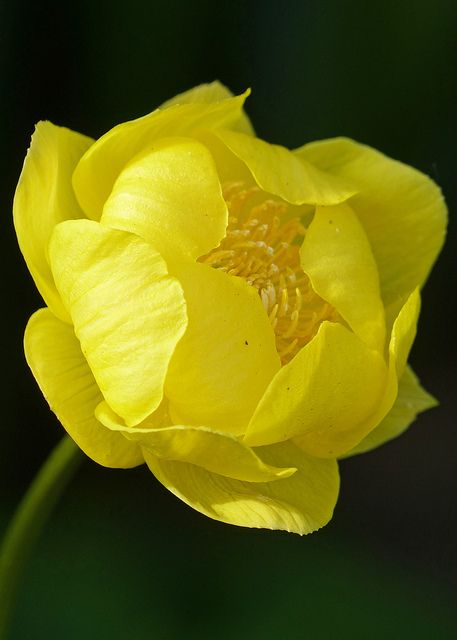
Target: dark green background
122, 558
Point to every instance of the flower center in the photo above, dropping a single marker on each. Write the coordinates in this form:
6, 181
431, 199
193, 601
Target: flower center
262, 246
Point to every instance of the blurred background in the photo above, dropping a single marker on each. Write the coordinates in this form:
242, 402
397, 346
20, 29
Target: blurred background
121, 557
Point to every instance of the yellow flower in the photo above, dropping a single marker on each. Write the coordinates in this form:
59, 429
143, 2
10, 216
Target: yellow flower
234, 314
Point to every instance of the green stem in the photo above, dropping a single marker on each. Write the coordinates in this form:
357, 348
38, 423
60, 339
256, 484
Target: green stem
29, 519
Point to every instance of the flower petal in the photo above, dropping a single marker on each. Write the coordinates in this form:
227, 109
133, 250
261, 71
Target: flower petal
230, 168
54, 355
99, 168
170, 196
401, 340
227, 356
412, 399
44, 197
338, 259
207, 93
401, 209
278, 171
218, 452
325, 395
301, 504
404, 332
128, 312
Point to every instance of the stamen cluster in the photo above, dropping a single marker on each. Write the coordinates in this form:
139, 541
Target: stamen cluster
262, 246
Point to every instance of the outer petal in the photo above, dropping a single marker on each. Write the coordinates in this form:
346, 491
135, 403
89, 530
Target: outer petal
207, 93
301, 504
338, 259
54, 355
127, 311
227, 356
404, 332
99, 168
325, 395
220, 453
412, 399
280, 172
170, 196
401, 340
401, 209
44, 197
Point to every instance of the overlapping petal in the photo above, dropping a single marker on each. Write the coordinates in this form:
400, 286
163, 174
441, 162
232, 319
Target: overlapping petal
227, 356
229, 166
324, 395
128, 312
54, 355
99, 168
214, 451
207, 93
404, 332
278, 171
301, 503
401, 209
337, 257
170, 196
411, 400
401, 340
44, 197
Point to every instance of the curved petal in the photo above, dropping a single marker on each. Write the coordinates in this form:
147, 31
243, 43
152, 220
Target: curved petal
44, 197
401, 340
404, 332
207, 93
99, 168
411, 400
170, 196
54, 356
218, 452
300, 504
232, 171
128, 312
325, 395
401, 209
230, 168
227, 356
278, 171
337, 257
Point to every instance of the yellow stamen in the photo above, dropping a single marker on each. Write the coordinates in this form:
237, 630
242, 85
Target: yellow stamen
262, 246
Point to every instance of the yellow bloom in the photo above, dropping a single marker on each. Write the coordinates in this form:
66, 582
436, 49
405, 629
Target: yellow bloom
234, 314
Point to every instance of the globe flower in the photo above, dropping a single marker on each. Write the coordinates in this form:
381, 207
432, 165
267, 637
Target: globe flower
236, 315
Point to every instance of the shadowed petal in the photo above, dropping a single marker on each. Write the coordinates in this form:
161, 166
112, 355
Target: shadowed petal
66, 381
338, 259
44, 197
214, 451
278, 171
301, 503
411, 400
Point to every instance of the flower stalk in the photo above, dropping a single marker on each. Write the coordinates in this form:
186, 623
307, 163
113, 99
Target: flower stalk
29, 520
